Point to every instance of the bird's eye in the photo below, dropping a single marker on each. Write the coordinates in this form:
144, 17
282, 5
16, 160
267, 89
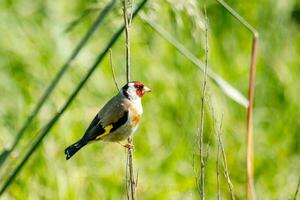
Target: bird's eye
139, 87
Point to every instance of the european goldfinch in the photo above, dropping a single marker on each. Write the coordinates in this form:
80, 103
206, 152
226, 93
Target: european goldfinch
117, 120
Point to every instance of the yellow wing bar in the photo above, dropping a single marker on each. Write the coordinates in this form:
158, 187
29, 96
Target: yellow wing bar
107, 131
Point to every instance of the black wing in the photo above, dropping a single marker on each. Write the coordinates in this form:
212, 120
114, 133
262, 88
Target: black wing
120, 122
96, 129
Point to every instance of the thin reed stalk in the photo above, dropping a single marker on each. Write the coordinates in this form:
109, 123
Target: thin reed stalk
203, 99
129, 166
218, 171
225, 166
249, 120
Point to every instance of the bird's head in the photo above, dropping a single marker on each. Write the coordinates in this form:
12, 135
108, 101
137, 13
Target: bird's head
135, 90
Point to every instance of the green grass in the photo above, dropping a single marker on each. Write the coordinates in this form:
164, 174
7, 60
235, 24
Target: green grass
33, 46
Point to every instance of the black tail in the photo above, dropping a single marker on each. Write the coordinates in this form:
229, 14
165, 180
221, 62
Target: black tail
72, 149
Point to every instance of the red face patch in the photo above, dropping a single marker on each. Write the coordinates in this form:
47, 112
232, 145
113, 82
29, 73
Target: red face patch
139, 88
139, 93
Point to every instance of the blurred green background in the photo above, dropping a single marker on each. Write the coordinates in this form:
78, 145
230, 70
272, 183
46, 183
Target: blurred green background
34, 44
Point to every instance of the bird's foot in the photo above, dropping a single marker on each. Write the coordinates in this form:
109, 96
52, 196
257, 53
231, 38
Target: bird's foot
128, 145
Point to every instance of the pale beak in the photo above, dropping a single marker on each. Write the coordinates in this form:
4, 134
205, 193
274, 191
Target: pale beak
146, 89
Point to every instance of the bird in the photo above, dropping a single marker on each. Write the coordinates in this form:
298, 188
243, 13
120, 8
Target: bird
117, 120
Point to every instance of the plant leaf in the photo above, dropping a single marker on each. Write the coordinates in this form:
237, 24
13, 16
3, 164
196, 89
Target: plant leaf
226, 88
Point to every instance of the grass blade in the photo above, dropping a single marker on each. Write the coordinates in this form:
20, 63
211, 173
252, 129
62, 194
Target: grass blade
225, 87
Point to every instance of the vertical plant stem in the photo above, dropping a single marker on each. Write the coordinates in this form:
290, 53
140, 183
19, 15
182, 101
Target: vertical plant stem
127, 39
202, 161
249, 177
126, 177
218, 171
130, 168
132, 182
225, 166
